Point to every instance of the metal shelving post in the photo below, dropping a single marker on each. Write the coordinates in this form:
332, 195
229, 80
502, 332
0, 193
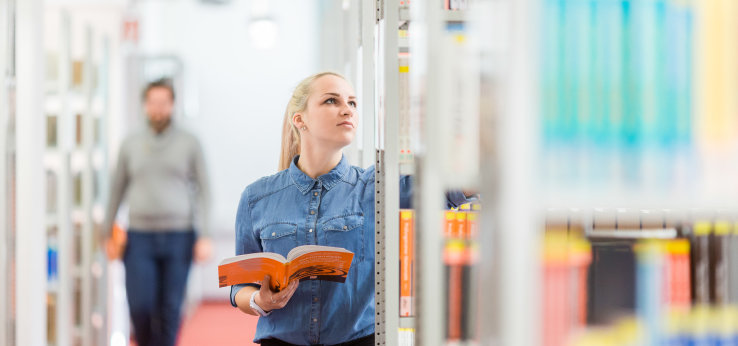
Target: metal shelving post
509, 263
30, 128
425, 31
88, 123
6, 51
387, 176
367, 63
65, 130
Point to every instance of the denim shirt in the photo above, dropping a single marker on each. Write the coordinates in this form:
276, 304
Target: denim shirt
289, 209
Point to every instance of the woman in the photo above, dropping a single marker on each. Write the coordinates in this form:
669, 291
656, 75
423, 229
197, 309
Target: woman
316, 198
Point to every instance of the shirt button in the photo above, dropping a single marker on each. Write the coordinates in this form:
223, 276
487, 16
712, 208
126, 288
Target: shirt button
274, 233
315, 193
315, 299
315, 320
345, 227
312, 212
311, 230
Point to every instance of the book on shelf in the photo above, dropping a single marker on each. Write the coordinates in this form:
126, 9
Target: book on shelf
407, 265
406, 337
307, 262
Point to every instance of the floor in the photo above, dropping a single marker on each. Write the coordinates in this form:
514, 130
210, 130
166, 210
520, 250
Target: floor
218, 323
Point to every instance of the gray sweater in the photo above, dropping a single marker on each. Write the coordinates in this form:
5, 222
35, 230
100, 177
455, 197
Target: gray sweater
164, 179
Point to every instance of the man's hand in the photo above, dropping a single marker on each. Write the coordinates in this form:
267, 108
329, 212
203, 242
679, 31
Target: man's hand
203, 250
114, 248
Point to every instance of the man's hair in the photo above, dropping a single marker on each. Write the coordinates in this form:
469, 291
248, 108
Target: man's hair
159, 83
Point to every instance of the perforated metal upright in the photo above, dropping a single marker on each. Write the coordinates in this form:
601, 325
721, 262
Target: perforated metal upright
7, 51
387, 182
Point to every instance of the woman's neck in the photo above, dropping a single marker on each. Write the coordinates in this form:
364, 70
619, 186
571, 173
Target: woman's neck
315, 162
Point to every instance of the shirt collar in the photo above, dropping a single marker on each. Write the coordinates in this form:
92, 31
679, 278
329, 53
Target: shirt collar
305, 183
164, 134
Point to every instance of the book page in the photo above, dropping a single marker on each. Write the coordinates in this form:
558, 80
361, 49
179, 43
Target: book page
275, 256
301, 250
321, 265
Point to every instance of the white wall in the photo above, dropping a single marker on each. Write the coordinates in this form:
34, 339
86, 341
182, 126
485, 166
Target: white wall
241, 93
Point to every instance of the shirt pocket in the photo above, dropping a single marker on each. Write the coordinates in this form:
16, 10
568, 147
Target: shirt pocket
346, 232
279, 237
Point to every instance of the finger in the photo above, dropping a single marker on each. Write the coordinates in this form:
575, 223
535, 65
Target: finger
265, 283
294, 285
289, 293
291, 288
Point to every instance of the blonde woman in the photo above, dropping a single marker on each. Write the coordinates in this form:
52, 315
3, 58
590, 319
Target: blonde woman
315, 198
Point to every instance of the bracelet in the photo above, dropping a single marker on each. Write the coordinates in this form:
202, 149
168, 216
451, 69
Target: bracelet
256, 307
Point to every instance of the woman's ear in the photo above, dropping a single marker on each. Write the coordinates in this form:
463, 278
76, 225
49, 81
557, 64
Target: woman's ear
298, 121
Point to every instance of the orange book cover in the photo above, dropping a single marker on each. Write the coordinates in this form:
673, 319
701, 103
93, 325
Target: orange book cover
406, 262
472, 226
307, 262
449, 224
460, 230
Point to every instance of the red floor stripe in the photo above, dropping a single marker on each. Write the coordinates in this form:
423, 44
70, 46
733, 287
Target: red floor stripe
216, 323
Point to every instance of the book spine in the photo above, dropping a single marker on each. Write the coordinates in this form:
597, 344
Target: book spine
719, 263
551, 59
406, 263
404, 108
454, 259
556, 290
650, 256
700, 245
469, 275
678, 279
449, 224
733, 265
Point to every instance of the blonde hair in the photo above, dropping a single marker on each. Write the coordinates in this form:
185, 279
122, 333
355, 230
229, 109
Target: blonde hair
297, 103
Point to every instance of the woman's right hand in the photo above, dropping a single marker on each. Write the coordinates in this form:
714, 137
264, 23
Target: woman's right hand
269, 300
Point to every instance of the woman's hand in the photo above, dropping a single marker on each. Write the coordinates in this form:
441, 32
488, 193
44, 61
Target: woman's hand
269, 300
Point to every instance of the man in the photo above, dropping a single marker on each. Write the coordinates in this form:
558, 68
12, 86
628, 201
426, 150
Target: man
161, 171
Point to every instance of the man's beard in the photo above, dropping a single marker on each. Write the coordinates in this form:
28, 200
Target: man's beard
159, 126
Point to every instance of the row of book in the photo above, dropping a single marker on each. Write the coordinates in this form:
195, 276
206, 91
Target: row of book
666, 312
455, 5
617, 72
704, 325
460, 255
566, 260
635, 73
676, 285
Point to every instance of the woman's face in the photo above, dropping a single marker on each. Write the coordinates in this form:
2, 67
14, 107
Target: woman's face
330, 116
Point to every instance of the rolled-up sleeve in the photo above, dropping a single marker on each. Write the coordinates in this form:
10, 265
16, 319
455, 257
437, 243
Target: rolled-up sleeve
246, 240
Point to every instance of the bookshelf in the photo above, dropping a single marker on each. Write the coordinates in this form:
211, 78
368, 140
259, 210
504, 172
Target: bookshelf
387, 50
77, 107
649, 169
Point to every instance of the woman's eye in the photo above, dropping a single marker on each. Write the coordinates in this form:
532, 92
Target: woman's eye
330, 101
352, 104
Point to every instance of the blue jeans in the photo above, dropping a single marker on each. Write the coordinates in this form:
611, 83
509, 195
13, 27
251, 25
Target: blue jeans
157, 264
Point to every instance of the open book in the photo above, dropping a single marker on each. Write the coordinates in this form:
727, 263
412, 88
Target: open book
307, 262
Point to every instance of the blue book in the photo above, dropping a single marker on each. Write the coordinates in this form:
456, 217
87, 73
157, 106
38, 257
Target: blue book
551, 92
611, 70
682, 13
